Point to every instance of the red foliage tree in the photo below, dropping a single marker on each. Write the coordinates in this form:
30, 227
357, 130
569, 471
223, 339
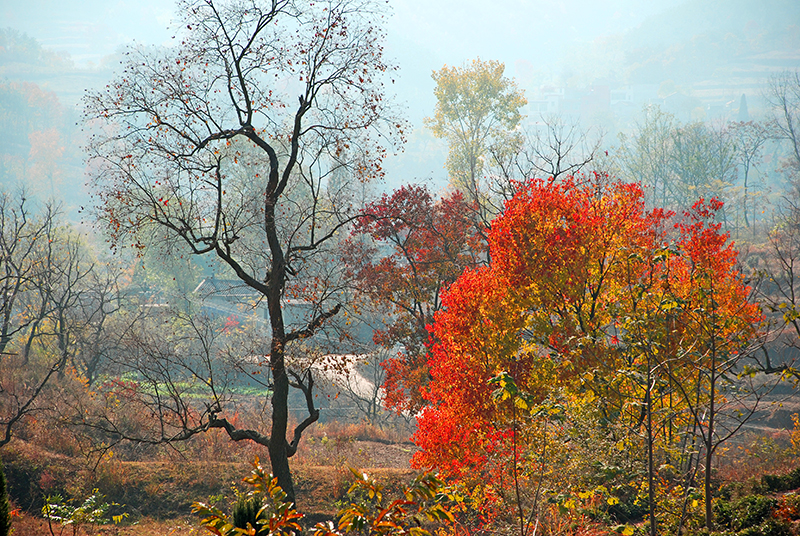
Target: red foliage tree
540, 311
402, 254
582, 282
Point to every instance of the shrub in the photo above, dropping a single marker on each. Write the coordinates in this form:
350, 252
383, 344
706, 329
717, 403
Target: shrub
785, 482
769, 527
245, 511
276, 516
265, 511
788, 507
5, 508
424, 500
752, 515
751, 511
93, 511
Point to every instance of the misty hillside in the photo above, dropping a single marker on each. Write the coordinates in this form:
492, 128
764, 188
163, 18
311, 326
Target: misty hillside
714, 39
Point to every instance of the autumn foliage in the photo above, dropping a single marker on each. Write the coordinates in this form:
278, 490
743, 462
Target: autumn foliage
587, 299
405, 250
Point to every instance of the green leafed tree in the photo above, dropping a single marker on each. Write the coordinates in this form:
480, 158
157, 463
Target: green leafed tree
678, 163
646, 154
476, 108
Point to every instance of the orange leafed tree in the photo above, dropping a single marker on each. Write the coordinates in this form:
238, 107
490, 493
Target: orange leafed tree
541, 311
584, 282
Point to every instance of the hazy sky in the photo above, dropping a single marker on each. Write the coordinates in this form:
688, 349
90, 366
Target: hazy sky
446, 30
88, 29
423, 35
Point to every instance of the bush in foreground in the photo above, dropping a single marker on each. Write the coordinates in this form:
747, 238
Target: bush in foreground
425, 500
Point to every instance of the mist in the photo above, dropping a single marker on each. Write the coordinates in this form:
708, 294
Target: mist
597, 65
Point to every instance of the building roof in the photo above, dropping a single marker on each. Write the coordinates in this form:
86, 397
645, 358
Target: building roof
231, 289
235, 290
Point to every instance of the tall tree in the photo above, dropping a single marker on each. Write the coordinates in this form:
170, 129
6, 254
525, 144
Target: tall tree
476, 108
703, 164
678, 164
748, 140
587, 294
645, 154
238, 143
783, 94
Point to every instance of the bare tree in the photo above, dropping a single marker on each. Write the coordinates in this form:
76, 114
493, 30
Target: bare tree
235, 144
42, 275
748, 139
778, 265
783, 94
549, 148
555, 146
165, 362
101, 317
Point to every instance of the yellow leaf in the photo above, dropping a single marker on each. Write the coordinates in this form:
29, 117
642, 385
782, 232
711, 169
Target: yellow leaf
612, 501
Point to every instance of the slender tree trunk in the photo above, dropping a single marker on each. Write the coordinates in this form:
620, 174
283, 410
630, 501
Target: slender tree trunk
707, 478
650, 464
709, 436
744, 204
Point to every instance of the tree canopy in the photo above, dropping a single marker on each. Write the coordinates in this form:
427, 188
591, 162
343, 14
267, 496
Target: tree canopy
240, 142
588, 299
476, 107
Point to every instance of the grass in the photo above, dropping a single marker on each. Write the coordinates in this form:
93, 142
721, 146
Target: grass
157, 494
25, 524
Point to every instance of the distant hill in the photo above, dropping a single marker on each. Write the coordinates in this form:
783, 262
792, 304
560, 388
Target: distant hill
730, 41
23, 59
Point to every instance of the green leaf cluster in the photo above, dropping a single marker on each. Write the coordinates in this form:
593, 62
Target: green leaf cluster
93, 511
424, 500
264, 510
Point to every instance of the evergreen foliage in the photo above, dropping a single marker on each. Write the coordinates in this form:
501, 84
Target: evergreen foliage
245, 511
5, 508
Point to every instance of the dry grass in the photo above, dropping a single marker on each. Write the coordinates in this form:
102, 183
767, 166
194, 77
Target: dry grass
27, 525
157, 493
318, 490
361, 431
755, 454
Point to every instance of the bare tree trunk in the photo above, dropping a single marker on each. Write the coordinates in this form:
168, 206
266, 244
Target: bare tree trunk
278, 453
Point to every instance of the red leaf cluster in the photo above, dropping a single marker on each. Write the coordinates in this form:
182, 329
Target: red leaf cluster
571, 263
405, 250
